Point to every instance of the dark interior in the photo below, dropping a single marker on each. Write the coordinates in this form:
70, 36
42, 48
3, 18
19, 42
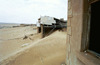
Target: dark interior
48, 31
40, 30
94, 44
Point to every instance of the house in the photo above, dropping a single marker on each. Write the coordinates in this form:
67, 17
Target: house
83, 32
46, 25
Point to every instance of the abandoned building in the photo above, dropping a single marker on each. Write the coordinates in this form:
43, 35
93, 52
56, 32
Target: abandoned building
82, 32
47, 25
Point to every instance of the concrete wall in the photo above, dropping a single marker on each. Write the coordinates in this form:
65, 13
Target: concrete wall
76, 27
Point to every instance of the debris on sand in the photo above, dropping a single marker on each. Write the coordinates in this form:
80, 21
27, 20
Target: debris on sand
31, 34
42, 60
25, 37
25, 45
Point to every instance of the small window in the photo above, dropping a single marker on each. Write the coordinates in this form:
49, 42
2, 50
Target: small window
94, 38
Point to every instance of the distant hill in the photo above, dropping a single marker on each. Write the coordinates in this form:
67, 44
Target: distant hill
13, 23
8, 23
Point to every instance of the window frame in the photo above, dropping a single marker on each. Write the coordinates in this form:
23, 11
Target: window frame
86, 29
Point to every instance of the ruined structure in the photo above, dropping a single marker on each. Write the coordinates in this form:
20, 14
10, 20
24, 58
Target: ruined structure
47, 25
82, 32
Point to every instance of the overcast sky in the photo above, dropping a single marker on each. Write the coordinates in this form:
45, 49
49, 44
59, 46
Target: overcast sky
28, 11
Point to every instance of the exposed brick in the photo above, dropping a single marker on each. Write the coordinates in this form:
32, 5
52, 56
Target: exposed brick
67, 55
68, 38
68, 47
69, 5
70, 14
69, 30
69, 22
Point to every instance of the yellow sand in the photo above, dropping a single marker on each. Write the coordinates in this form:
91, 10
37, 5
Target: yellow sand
50, 50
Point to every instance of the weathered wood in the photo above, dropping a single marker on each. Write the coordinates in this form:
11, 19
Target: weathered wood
42, 31
37, 29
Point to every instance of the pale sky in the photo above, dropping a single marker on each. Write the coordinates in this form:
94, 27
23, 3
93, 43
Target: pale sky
28, 11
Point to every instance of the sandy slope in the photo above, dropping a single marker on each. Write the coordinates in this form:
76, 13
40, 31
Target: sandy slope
11, 40
49, 51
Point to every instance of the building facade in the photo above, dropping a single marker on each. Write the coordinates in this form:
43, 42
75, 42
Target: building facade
80, 50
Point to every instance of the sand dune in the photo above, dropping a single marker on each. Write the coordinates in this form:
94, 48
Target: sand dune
11, 33
11, 39
47, 51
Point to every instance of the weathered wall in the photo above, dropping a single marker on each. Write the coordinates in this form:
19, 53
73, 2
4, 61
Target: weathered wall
74, 31
78, 32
